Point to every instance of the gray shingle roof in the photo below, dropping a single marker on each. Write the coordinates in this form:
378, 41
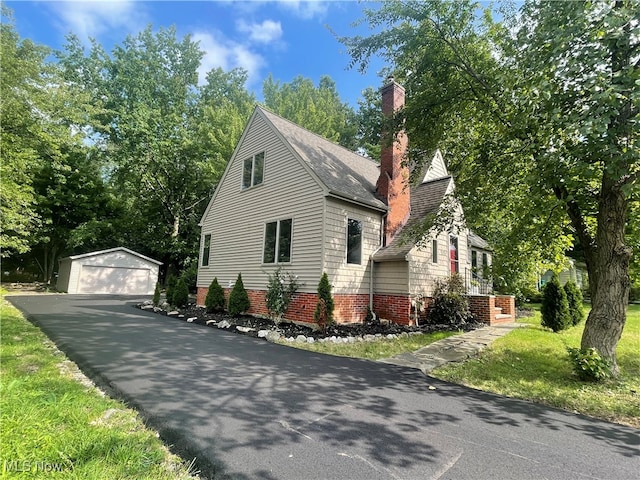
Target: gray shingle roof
426, 199
476, 240
345, 173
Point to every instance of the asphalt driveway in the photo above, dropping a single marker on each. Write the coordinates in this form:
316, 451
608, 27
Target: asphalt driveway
250, 409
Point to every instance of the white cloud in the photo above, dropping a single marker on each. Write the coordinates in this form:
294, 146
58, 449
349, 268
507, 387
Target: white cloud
93, 18
227, 54
306, 9
266, 32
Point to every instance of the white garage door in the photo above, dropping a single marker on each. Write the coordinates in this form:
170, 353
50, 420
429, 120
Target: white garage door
116, 280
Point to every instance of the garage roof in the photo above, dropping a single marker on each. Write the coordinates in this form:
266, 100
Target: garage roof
110, 250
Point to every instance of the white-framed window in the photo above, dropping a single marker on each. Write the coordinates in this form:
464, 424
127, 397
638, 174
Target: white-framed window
253, 170
474, 264
206, 250
434, 250
354, 241
454, 254
277, 241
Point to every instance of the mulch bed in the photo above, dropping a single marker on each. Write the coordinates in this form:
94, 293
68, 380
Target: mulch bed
200, 316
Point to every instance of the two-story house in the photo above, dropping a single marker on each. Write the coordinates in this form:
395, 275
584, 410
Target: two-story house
291, 198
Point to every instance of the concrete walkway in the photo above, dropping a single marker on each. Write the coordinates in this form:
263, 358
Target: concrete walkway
452, 349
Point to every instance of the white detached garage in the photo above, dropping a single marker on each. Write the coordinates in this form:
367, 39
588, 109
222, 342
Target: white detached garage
115, 271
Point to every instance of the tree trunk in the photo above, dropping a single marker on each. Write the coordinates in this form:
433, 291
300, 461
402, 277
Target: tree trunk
50, 257
610, 268
176, 226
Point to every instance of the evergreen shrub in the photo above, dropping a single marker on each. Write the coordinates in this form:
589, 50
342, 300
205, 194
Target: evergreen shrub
171, 285
555, 306
181, 294
156, 295
238, 298
323, 314
574, 298
214, 301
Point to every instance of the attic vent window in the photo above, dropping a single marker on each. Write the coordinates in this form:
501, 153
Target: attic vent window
253, 170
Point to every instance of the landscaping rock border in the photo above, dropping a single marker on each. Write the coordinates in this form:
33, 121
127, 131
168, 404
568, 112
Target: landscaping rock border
289, 332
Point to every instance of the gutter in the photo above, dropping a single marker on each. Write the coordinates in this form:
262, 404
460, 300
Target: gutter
345, 198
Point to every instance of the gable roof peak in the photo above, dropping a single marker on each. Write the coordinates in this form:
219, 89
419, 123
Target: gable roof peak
344, 173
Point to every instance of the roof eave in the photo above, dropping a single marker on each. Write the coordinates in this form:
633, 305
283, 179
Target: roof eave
341, 196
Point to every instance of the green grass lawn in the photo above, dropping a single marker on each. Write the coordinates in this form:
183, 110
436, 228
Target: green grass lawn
532, 363
377, 349
56, 424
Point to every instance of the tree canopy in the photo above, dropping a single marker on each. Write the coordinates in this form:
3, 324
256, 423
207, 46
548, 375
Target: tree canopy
318, 109
126, 147
537, 116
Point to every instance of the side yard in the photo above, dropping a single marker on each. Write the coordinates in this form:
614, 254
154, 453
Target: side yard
56, 424
531, 363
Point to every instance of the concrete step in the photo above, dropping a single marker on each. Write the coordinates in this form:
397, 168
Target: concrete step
503, 318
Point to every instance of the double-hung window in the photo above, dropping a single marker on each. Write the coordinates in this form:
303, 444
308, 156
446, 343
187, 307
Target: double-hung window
206, 250
253, 170
277, 241
354, 241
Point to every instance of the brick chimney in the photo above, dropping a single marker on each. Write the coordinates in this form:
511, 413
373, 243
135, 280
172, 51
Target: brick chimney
393, 182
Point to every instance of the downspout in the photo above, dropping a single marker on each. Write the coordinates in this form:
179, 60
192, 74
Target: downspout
371, 283
371, 261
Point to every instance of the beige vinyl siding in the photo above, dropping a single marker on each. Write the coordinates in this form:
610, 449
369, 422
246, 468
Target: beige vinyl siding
236, 219
437, 169
391, 277
423, 272
346, 277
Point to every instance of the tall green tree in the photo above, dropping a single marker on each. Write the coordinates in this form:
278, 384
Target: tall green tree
539, 116
165, 140
69, 194
50, 183
318, 109
223, 110
22, 89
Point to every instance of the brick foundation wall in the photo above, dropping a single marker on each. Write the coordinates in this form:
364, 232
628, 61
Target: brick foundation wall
348, 308
396, 308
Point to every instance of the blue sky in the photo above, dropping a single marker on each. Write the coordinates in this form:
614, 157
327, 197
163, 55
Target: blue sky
285, 38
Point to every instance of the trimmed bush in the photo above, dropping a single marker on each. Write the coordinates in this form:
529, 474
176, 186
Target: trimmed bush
574, 297
450, 305
238, 298
190, 276
280, 291
323, 314
214, 301
171, 285
555, 306
156, 295
181, 294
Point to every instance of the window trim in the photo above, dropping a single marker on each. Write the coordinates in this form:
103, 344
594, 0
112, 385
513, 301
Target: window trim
276, 252
351, 219
434, 250
206, 248
253, 170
